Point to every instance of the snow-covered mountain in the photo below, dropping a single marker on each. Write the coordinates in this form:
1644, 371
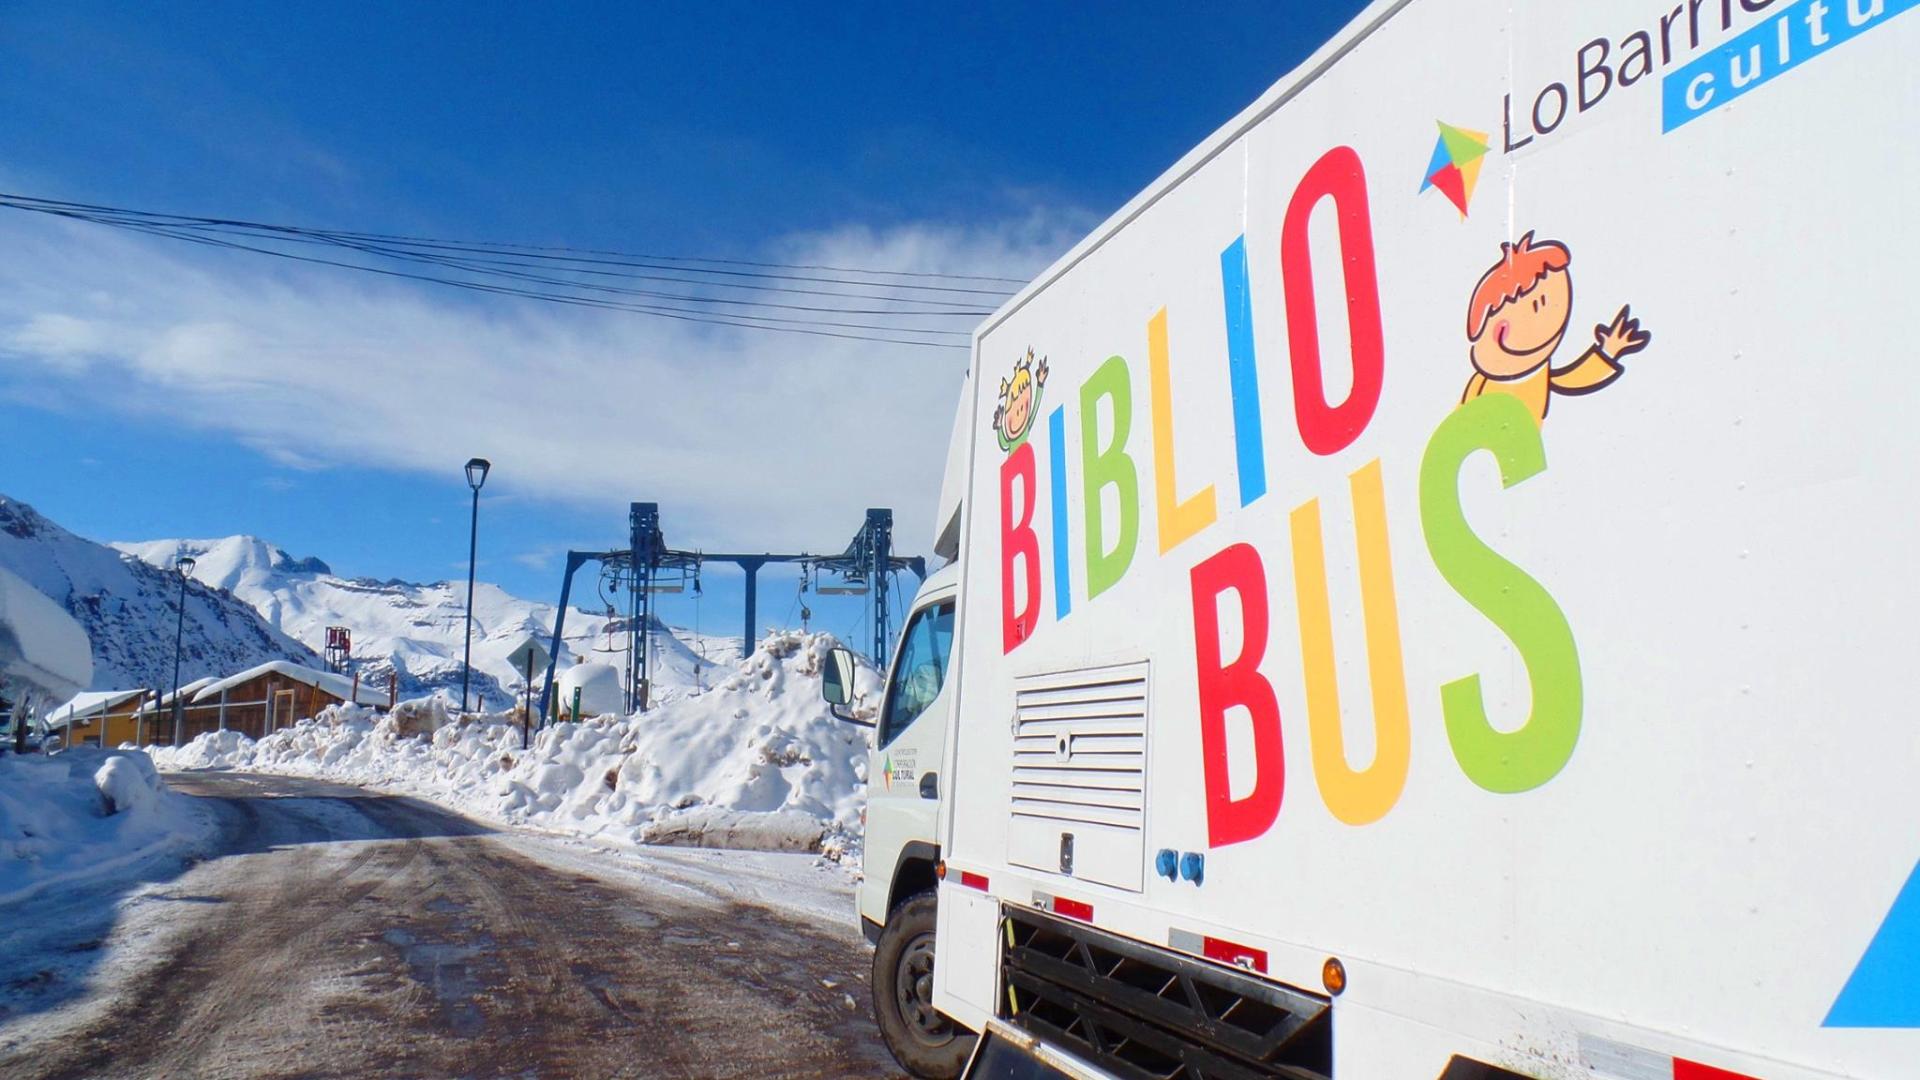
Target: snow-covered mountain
127, 608
418, 629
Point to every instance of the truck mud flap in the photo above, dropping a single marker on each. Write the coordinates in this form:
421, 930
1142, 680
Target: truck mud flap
1146, 1013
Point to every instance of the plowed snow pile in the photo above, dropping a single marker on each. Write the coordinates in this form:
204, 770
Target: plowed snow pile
754, 762
82, 813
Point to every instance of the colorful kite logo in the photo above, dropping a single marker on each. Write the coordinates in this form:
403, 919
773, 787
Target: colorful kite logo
1455, 166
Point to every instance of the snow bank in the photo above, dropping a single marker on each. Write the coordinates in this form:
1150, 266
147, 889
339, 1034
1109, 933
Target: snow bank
754, 762
600, 686
212, 750
84, 812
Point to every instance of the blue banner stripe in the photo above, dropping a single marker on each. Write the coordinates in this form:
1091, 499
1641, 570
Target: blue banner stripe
1767, 51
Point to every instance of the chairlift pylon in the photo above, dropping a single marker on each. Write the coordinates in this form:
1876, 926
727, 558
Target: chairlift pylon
864, 569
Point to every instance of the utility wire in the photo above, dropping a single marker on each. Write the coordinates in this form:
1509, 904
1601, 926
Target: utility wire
487, 266
721, 319
698, 259
483, 260
528, 251
479, 267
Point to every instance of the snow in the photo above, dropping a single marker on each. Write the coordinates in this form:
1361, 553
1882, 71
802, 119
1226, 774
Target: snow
125, 786
82, 813
41, 645
601, 687
187, 690
90, 703
417, 632
755, 762
339, 686
214, 749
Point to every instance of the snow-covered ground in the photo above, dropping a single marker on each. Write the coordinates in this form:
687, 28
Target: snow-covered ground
86, 813
755, 761
330, 921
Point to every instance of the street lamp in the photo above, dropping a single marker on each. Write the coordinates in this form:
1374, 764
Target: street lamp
183, 564
476, 476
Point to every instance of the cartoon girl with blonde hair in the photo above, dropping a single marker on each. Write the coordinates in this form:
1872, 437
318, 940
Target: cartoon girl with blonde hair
1019, 400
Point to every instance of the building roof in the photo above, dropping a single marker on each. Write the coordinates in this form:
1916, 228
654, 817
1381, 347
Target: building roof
339, 686
91, 703
187, 691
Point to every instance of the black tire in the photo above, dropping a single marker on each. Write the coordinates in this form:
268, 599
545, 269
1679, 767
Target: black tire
926, 1044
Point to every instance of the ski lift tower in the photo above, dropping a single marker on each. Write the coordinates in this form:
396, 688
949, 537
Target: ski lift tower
869, 561
649, 566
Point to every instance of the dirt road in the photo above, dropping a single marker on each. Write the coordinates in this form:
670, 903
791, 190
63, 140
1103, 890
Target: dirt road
342, 933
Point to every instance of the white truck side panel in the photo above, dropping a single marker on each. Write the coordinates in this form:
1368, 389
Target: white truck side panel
1708, 863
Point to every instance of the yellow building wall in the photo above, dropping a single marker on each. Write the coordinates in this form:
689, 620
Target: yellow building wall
121, 728
118, 728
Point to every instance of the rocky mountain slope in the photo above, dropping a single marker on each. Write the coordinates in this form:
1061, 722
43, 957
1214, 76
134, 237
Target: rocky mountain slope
127, 608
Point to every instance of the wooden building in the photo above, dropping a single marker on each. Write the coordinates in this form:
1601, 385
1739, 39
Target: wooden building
274, 695
99, 718
153, 722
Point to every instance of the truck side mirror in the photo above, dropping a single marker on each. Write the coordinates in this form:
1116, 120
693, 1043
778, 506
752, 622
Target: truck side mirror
836, 684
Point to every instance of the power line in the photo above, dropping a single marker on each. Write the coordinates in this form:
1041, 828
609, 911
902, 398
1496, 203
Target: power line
704, 259
513, 264
529, 251
289, 234
487, 266
662, 312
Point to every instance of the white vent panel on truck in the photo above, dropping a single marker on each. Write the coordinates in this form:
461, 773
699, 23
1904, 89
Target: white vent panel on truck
1078, 800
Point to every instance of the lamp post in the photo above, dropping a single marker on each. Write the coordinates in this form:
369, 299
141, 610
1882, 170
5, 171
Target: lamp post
184, 565
476, 476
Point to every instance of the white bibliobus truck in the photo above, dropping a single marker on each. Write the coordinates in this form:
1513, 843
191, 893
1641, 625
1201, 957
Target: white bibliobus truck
1433, 578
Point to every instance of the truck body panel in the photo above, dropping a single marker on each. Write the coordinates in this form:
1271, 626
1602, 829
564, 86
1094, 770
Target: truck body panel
1550, 680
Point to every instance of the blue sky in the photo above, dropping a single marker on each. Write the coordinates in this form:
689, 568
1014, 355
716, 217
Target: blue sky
150, 389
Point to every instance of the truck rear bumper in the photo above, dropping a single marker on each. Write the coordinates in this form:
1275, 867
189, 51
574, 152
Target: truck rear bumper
1126, 1007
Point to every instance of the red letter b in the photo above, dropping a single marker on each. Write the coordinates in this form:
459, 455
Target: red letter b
1222, 686
1018, 546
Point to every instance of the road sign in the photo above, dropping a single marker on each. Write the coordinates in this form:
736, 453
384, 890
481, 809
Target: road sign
528, 656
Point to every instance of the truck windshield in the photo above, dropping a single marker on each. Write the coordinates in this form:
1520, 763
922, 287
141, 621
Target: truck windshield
921, 671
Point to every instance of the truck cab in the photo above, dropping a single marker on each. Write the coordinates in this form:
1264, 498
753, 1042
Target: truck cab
904, 789
896, 895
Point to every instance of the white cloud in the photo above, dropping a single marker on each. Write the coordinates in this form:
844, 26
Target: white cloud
61, 341
744, 437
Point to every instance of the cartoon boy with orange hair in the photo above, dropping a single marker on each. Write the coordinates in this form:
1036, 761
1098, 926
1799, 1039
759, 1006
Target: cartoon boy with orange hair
1517, 317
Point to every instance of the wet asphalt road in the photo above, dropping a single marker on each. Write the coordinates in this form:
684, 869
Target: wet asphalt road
336, 932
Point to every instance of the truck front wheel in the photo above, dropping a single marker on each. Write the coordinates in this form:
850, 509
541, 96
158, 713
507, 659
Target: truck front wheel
924, 1042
